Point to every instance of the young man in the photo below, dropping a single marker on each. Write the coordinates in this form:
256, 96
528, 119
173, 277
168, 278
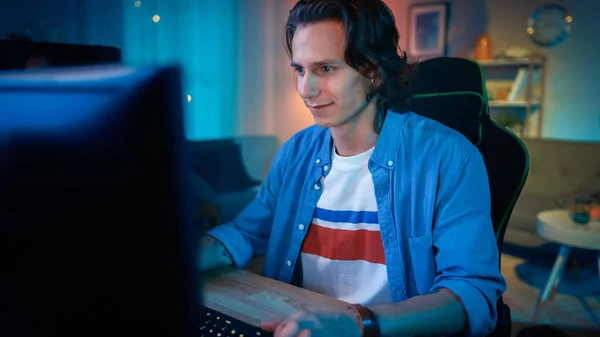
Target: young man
373, 205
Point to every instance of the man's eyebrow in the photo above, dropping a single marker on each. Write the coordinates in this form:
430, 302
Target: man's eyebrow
318, 63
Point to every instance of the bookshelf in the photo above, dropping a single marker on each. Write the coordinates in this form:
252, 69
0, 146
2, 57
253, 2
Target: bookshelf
513, 104
515, 90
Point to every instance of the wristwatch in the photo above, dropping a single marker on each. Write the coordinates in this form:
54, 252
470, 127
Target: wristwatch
366, 320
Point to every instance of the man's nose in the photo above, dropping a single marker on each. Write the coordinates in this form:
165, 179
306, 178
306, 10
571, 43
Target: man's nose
308, 86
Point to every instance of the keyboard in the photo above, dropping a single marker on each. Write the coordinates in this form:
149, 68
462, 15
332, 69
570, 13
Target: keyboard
217, 324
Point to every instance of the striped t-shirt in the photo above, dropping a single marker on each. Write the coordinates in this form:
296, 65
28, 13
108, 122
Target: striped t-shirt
342, 254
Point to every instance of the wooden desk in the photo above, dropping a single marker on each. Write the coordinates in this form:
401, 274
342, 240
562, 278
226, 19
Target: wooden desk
253, 298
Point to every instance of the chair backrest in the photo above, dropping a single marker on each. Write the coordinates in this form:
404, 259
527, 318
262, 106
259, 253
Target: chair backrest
452, 91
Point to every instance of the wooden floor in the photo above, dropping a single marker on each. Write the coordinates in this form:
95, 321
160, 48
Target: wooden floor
575, 316
517, 327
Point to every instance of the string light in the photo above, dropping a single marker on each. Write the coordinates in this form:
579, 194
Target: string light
156, 18
189, 97
138, 4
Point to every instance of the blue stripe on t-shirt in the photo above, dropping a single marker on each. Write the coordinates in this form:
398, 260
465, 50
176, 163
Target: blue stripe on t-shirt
369, 217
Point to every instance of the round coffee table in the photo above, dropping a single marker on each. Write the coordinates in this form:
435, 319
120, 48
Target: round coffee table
557, 226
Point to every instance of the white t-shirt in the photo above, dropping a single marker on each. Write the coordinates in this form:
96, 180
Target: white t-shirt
342, 254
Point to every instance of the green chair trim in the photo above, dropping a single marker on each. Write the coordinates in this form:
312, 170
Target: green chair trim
515, 197
452, 93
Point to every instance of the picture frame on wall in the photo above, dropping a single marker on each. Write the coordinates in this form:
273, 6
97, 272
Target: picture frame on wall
428, 30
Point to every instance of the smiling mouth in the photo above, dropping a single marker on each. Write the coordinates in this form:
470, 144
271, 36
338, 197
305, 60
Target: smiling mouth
318, 107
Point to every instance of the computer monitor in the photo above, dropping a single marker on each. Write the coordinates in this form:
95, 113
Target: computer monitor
24, 54
96, 237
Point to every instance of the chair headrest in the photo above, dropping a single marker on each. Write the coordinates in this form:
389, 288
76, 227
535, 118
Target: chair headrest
461, 111
448, 74
451, 91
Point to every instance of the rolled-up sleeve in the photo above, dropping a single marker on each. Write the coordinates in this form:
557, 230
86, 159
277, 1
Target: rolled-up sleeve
248, 234
467, 257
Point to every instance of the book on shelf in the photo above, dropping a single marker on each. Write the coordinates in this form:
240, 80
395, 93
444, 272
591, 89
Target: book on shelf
518, 90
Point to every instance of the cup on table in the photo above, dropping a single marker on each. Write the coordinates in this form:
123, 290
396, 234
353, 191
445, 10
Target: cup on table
580, 212
595, 211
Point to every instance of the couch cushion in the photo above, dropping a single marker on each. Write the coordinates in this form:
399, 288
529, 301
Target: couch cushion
220, 163
528, 206
560, 168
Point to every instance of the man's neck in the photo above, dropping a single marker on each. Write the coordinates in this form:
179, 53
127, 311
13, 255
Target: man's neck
355, 137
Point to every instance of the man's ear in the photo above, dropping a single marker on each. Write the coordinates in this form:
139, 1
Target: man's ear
371, 71
374, 79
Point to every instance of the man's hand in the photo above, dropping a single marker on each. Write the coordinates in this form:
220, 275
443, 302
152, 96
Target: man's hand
213, 255
315, 324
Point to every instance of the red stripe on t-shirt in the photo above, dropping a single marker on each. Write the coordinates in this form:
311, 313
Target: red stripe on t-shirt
343, 244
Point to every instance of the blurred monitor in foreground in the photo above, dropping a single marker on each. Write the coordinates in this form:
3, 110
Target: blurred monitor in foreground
25, 54
95, 233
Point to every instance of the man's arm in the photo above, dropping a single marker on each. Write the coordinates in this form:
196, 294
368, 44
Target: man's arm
213, 255
437, 313
248, 234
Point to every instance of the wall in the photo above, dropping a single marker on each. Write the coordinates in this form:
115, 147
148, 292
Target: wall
78, 21
103, 22
572, 103
268, 101
65, 15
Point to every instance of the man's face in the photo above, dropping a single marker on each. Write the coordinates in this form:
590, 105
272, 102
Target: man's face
332, 90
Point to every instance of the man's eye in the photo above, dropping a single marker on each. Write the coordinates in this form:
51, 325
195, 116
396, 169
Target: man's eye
327, 69
299, 70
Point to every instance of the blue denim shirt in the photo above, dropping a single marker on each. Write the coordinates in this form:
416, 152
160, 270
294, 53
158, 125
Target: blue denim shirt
433, 204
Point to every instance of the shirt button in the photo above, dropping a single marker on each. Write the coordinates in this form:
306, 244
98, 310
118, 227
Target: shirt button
301, 227
325, 167
389, 241
318, 161
317, 187
289, 263
390, 163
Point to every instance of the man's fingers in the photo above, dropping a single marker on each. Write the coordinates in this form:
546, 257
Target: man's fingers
304, 333
290, 327
287, 330
270, 326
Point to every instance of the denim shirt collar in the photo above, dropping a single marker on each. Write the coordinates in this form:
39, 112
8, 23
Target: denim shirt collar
324, 156
386, 148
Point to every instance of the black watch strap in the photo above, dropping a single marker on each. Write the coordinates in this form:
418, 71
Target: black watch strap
369, 321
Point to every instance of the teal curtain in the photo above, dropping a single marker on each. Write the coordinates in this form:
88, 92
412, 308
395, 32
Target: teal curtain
202, 37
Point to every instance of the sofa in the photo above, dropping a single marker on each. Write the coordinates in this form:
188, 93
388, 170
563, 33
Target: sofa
225, 175
559, 172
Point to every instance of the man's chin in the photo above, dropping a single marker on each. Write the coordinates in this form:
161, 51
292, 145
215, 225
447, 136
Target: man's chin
324, 123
